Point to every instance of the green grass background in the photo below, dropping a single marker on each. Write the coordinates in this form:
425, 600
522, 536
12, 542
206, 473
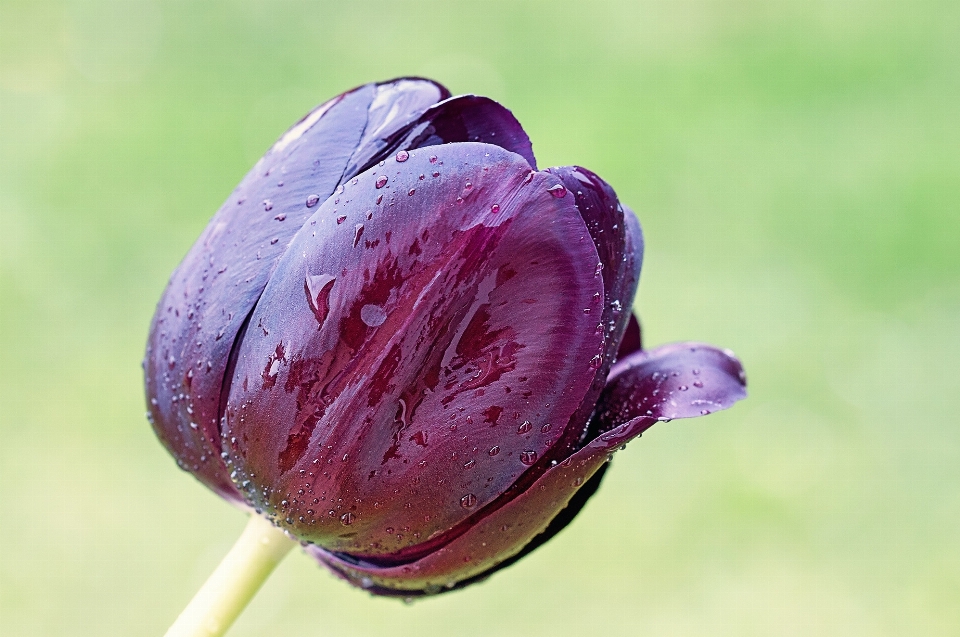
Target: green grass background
796, 167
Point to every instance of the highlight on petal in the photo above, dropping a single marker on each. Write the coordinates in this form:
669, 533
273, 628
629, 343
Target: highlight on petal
438, 378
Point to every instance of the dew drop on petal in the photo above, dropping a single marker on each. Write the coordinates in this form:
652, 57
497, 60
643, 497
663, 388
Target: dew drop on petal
381, 181
403, 156
528, 457
468, 501
558, 191
313, 200
373, 315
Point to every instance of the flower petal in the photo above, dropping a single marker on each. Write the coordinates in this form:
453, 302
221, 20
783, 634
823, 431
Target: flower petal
616, 234
553, 500
417, 352
680, 380
632, 338
464, 118
210, 296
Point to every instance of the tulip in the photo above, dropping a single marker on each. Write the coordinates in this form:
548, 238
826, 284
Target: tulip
410, 349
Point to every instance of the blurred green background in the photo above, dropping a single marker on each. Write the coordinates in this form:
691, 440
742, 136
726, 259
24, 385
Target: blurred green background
796, 167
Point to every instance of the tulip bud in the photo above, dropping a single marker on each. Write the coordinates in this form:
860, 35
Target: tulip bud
405, 345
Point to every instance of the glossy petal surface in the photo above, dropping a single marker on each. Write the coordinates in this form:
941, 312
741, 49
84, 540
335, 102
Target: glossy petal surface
421, 345
620, 248
643, 393
464, 118
213, 291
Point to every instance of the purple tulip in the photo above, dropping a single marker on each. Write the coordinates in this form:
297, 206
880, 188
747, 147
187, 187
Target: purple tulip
408, 347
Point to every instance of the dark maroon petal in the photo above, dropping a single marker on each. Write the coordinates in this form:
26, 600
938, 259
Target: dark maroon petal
632, 339
465, 118
421, 345
214, 289
494, 541
620, 248
550, 503
680, 380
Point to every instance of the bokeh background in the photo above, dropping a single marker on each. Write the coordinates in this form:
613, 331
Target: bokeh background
796, 167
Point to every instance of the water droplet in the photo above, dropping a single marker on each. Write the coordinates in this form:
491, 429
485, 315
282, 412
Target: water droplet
468, 501
373, 315
381, 181
403, 156
698, 384
267, 205
436, 173
596, 361
317, 288
312, 200
469, 464
494, 450
546, 428
357, 233
346, 519
341, 219
524, 427
528, 457
280, 217
411, 191
433, 159
683, 388
558, 191
578, 482
467, 187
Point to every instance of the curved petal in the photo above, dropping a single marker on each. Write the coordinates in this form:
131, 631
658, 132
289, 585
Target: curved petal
212, 292
418, 350
616, 234
680, 380
539, 512
464, 118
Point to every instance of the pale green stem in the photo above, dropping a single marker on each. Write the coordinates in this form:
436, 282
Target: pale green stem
238, 577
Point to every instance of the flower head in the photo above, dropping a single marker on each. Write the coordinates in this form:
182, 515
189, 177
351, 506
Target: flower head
410, 348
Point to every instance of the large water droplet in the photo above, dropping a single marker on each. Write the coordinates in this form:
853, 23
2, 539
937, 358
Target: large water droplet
494, 450
524, 427
468, 501
358, 232
312, 200
403, 156
528, 457
346, 519
558, 191
381, 181
373, 315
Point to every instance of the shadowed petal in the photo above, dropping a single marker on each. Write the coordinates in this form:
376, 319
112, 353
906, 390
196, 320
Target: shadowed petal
210, 296
416, 354
632, 339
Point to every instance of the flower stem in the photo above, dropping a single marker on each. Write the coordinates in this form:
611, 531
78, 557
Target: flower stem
236, 580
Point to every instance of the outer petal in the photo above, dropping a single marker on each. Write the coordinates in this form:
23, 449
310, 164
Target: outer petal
420, 346
616, 234
629, 406
211, 294
465, 118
